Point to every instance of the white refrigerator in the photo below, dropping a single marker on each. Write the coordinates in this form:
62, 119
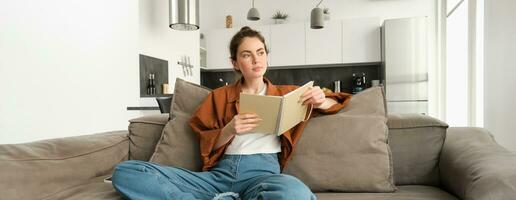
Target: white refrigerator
405, 64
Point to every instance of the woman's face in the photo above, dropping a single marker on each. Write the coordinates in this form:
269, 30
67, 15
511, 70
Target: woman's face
251, 58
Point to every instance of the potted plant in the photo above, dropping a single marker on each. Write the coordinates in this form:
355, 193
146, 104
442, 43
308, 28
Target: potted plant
326, 12
279, 17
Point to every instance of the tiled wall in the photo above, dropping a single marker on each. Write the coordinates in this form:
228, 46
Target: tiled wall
324, 76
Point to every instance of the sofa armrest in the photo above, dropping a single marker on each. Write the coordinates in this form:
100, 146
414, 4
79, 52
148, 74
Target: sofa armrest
474, 167
38, 169
144, 133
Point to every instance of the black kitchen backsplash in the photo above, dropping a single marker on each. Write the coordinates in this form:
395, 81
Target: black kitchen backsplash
323, 75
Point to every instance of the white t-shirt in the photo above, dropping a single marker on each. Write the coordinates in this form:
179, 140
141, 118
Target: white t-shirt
253, 143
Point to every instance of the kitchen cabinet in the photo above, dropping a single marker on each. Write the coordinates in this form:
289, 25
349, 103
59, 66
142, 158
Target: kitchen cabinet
217, 47
361, 40
287, 44
266, 33
355, 40
324, 46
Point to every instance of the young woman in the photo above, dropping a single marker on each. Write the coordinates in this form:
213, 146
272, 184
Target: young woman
237, 162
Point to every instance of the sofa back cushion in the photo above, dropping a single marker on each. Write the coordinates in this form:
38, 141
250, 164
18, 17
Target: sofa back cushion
144, 134
416, 141
347, 151
39, 169
179, 145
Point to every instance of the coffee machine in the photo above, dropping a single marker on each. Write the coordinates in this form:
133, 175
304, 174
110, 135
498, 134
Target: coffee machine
358, 82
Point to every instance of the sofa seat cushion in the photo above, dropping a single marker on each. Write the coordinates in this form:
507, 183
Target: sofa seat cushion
408, 192
97, 189
93, 189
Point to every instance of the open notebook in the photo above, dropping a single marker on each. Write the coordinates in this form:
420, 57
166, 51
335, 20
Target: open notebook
278, 113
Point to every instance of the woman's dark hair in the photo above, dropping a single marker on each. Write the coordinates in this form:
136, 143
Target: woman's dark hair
238, 37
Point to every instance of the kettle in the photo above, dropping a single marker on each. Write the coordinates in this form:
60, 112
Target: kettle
359, 82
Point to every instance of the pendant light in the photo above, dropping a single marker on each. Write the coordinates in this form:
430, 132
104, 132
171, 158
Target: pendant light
184, 15
253, 14
316, 17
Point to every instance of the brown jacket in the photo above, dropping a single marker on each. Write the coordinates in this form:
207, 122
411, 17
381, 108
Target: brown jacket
221, 105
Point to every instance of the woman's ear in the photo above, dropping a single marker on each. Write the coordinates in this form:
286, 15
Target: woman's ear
235, 65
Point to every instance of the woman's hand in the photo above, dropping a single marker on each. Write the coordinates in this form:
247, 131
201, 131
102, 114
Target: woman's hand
314, 96
242, 123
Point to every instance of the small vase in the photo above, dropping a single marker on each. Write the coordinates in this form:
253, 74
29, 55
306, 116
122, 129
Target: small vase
229, 21
279, 21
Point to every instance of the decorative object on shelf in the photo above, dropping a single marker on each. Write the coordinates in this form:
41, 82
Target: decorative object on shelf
229, 21
326, 12
166, 88
316, 17
336, 86
253, 14
151, 87
279, 17
185, 64
184, 15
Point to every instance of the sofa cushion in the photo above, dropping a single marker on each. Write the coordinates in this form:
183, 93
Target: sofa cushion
145, 133
347, 151
91, 189
409, 192
416, 141
368, 102
97, 189
191, 96
37, 169
179, 145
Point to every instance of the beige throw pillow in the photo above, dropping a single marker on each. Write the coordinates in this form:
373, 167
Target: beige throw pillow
347, 151
368, 102
179, 145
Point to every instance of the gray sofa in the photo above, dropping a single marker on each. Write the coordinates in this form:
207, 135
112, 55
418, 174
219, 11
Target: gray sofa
430, 161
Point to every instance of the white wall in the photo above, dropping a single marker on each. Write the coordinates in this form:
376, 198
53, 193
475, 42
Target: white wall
213, 13
70, 67
499, 71
213, 16
156, 39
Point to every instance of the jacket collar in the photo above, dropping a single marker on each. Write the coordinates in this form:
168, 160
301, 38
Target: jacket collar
236, 89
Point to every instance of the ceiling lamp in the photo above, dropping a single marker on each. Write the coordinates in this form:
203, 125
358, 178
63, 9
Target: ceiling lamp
253, 14
184, 15
317, 17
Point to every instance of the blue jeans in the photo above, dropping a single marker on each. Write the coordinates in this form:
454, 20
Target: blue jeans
255, 176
